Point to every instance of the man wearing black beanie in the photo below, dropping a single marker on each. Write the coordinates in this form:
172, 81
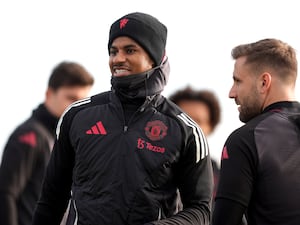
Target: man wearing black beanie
121, 155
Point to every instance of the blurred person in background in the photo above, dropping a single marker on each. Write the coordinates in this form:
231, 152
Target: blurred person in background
27, 151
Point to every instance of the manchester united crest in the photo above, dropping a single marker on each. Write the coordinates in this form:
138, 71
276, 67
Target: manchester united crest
156, 130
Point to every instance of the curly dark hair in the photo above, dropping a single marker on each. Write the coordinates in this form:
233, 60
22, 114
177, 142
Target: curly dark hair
206, 96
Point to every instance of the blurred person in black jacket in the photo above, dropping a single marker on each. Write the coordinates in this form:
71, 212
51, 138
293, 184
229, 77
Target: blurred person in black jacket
27, 151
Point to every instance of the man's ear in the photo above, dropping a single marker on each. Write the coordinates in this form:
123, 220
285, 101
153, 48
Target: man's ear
265, 82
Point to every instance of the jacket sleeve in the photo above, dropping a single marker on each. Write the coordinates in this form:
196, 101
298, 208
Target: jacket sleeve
234, 191
227, 207
195, 178
16, 169
56, 188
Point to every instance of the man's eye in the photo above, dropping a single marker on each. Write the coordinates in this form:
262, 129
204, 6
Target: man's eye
130, 51
112, 52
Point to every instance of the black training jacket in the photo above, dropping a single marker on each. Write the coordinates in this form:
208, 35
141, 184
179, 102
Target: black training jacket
260, 170
24, 161
117, 174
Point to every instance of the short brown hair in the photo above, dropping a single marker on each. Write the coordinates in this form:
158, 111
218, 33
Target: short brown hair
69, 74
271, 53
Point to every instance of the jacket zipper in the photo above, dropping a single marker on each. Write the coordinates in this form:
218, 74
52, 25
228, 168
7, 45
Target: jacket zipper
140, 109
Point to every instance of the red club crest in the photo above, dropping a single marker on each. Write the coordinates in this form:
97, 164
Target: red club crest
156, 130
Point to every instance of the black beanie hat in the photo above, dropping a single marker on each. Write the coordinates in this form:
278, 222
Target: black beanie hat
146, 30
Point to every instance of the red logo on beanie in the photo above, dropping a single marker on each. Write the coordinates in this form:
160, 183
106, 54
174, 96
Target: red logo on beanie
123, 23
